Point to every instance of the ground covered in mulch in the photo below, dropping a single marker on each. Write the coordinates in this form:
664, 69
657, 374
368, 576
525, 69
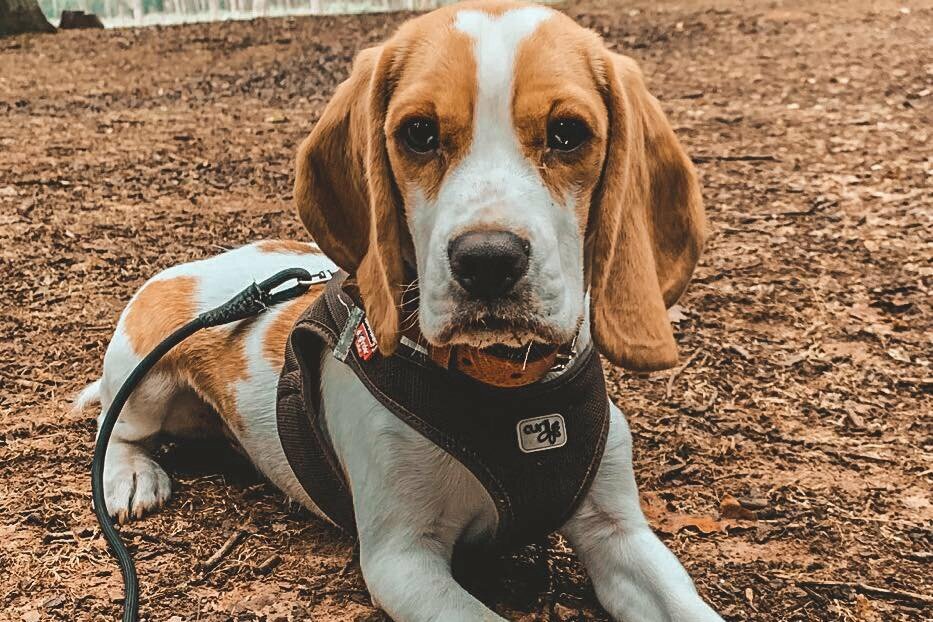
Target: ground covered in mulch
787, 462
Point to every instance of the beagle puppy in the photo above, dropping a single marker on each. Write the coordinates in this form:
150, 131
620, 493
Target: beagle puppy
523, 174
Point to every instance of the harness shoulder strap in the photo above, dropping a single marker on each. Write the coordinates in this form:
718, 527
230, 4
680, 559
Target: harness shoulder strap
302, 429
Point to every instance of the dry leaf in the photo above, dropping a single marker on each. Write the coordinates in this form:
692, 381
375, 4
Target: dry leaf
854, 350
873, 322
916, 502
670, 522
899, 355
739, 350
730, 507
862, 311
852, 414
677, 314
865, 610
792, 359
563, 612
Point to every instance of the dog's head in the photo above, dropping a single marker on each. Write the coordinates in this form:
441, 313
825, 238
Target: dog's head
502, 153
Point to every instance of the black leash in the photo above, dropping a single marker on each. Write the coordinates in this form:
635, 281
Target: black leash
251, 301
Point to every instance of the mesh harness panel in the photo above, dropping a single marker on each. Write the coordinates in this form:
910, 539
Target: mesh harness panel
565, 420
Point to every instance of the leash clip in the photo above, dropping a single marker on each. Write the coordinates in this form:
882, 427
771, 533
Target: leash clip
258, 297
318, 278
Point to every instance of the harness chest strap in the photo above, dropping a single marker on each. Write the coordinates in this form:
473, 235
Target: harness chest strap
534, 448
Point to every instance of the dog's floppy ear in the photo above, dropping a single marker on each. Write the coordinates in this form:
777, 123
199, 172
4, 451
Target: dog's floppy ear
346, 195
646, 228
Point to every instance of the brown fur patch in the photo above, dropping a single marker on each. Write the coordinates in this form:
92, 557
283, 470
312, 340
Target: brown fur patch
273, 342
554, 80
212, 361
649, 224
293, 247
344, 189
438, 82
159, 308
492, 7
331, 189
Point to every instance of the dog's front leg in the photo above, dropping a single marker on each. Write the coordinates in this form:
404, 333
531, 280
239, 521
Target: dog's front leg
408, 522
410, 579
412, 502
637, 579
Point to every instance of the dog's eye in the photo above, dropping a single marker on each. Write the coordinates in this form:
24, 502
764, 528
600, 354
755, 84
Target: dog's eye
420, 135
566, 134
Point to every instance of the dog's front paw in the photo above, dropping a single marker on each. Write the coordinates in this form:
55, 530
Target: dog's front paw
697, 612
704, 614
663, 607
134, 484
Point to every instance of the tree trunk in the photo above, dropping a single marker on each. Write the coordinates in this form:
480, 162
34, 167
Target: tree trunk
18, 16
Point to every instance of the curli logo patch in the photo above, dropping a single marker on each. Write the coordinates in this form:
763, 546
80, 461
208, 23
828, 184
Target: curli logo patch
541, 433
365, 340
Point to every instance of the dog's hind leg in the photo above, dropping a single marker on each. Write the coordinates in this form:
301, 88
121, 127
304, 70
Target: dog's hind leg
134, 483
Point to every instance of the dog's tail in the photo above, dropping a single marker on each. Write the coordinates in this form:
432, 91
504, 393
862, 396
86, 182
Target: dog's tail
88, 395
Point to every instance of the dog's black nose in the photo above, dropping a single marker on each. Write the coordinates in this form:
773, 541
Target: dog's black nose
488, 264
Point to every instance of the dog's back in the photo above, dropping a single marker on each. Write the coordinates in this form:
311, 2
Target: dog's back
205, 384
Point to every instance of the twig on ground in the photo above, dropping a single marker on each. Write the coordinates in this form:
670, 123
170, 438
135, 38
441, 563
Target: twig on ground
154, 538
677, 372
337, 591
234, 539
354, 559
268, 564
700, 159
719, 478
912, 598
53, 536
919, 556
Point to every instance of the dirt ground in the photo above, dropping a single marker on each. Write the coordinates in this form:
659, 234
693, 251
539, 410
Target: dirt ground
787, 462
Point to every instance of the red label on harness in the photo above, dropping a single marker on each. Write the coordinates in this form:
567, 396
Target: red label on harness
365, 340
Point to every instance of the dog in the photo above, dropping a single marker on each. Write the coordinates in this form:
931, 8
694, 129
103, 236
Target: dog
522, 173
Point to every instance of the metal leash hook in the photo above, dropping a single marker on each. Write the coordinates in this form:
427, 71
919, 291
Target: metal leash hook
250, 302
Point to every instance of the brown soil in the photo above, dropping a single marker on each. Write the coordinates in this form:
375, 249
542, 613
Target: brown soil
805, 391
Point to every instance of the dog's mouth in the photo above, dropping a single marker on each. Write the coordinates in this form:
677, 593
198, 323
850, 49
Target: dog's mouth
508, 327
511, 325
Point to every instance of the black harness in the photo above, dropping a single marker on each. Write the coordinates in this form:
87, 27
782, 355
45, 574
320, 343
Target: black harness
535, 449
